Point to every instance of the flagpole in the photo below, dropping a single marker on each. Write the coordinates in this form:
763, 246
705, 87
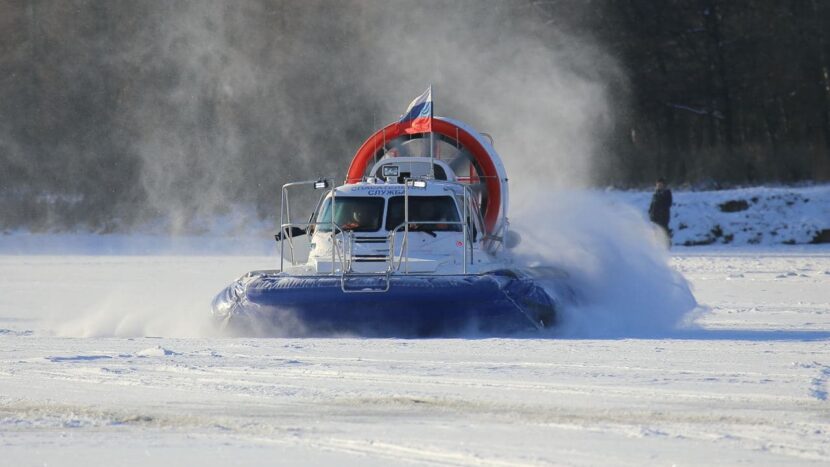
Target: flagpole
431, 157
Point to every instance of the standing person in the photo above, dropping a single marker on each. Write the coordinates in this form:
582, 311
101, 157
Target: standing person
660, 209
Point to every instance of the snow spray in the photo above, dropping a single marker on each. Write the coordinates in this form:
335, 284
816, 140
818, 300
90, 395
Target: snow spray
145, 296
615, 262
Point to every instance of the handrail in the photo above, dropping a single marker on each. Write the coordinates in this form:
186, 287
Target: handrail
404, 256
336, 229
346, 270
345, 251
285, 207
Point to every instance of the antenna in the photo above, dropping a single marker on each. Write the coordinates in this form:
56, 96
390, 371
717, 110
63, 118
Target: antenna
431, 133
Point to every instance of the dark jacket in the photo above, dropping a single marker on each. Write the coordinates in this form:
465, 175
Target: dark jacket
660, 209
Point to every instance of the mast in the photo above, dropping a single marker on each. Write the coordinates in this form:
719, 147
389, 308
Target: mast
431, 133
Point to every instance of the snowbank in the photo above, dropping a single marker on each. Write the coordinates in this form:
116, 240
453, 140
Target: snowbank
746, 216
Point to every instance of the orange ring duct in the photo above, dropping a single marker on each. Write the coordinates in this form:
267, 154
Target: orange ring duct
375, 142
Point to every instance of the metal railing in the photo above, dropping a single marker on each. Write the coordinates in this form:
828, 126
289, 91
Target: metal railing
404, 256
492, 242
344, 249
342, 253
285, 208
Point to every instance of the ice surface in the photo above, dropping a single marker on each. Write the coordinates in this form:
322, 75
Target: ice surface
109, 360
157, 351
748, 386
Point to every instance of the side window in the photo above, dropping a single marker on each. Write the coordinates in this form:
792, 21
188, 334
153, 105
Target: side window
475, 222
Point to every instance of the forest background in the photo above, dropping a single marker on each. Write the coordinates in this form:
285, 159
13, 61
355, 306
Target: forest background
116, 113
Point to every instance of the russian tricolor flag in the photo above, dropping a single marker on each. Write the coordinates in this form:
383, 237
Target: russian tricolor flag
418, 116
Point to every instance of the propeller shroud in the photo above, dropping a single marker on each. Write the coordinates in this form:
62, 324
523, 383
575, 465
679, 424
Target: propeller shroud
471, 151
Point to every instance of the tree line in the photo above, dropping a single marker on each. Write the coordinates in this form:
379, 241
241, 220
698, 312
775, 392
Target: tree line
94, 95
723, 92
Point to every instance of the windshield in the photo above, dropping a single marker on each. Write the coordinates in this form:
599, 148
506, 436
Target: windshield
438, 209
356, 213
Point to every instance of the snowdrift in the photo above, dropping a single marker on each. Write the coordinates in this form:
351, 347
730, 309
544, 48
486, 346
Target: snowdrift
747, 216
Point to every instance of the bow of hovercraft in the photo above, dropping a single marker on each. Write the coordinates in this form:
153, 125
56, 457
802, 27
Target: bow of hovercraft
495, 303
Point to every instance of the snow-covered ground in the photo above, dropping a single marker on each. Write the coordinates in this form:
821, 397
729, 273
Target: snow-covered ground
749, 385
746, 216
717, 354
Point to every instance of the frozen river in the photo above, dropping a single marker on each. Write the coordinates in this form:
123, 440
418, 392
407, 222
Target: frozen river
110, 360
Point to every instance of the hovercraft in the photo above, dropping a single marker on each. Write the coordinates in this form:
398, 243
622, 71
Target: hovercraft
415, 243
